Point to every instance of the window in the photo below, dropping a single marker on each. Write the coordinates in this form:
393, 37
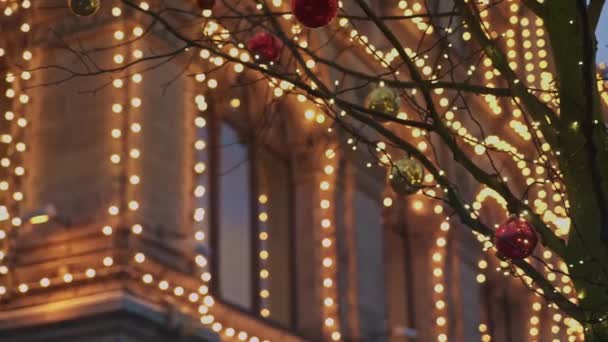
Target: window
369, 235
235, 230
361, 249
252, 213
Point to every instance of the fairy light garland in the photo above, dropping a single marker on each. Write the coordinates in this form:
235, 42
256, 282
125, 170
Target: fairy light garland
199, 169
133, 138
481, 278
114, 210
117, 158
66, 275
120, 160
327, 235
199, 172
545, 83
264, 255
13, 162
134, 128
19, 122
556, 330
19, 169
439, 262
483, 263
537, 305
6, 186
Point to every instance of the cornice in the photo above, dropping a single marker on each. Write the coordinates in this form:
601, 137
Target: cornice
85, 307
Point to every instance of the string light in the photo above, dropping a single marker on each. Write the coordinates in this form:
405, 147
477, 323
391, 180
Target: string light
327, 233
438, 262
132, 129
13, 168
264, 245
529, 58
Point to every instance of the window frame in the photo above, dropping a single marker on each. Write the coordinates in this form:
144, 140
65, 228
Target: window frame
252, 145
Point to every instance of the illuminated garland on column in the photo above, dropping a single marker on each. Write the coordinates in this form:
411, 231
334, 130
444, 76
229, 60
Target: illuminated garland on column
199, 213
535, 319
6, 210
205, 309
127, 130
327, 234
68, 276
439, 262
203, 297
117, 158
133, 132
264, 255
15, 140
19, 147
482, 265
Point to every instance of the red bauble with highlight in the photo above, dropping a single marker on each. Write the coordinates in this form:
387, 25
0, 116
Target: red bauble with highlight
266, 46
206, 4
315, 13
515, 239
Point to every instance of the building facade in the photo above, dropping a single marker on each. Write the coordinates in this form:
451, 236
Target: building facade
166, 202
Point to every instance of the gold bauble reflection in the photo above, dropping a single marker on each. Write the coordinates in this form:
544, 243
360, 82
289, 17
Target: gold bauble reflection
384, 100
84, 8
407, 176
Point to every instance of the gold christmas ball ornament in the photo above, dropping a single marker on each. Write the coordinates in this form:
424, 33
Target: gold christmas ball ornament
384, 100
407, 176
84, 8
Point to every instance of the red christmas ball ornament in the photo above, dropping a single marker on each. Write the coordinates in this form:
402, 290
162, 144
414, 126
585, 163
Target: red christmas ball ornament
206, 4
515, 239
315, 13
266, 46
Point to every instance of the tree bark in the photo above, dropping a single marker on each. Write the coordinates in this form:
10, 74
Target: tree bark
583, 159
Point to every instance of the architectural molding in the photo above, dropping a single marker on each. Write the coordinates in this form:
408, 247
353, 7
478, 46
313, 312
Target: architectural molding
38, 323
